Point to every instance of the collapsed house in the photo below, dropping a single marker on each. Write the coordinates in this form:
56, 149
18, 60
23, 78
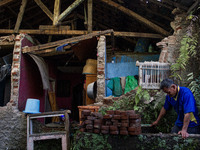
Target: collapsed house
53, 71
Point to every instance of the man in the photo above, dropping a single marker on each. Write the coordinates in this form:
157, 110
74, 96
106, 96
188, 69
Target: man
182, 99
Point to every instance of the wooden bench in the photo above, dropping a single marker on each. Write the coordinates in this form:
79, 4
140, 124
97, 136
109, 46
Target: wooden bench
63, 135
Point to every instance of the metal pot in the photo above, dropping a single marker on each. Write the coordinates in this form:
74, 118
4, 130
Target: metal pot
92, 90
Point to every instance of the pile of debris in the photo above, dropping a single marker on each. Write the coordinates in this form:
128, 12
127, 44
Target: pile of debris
114, 122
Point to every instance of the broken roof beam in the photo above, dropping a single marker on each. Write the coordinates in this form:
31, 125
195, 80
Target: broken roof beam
65, 41
136, 16
44, 8
20, 16
4, 2
68, 11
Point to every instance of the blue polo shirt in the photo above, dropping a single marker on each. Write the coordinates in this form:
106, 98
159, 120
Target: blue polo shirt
183, 103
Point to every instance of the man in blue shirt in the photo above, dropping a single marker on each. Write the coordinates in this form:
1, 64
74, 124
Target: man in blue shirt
182, 100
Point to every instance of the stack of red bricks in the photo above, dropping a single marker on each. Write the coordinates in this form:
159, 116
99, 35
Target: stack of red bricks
91, 121
114, 122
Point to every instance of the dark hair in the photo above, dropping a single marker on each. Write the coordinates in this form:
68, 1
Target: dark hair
166, 83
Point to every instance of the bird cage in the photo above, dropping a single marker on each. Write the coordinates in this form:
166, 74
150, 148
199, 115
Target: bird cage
152, 73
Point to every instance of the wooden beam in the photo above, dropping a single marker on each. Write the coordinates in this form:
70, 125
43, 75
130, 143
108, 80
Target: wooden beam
53, 53
135, 34
20, 16
44, 8
136, 16
65, 41
51, 50
4, 2
89, 24
82, 32
69, 10
51, 27
56, 12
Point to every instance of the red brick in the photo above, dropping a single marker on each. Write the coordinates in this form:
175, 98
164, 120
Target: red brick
114, 132
17, 46
113, 128
122, 132
105, 128
117, 117
104, 131
16, 59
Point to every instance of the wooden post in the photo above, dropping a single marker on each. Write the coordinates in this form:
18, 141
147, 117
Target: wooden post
56, 12
20, 16
89, 16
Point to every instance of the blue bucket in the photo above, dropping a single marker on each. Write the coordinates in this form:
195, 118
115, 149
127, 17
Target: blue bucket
32, 106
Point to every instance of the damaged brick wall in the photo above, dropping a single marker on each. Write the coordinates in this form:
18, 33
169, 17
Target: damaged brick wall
170, 45
13, 122
101, 49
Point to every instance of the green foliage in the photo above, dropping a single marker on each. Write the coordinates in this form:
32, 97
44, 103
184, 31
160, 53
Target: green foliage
187, 49
128, 103
86, 141
195, 88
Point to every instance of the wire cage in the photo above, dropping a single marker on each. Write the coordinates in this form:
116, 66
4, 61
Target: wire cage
152, 73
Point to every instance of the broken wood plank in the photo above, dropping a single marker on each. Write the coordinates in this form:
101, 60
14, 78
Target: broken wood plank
56, 12
136, 16
20, 16
44, 8
4, 2
69, 10
65, 41
89, 24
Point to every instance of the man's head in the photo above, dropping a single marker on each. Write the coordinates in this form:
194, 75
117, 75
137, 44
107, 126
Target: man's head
168, 86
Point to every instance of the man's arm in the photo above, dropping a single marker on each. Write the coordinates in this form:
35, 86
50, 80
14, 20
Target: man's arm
162, 113
186, 122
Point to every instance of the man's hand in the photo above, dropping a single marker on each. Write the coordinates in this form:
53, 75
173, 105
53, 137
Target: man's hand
184, 134
154, 123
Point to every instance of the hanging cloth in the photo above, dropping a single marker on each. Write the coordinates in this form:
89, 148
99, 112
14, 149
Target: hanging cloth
115, 86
